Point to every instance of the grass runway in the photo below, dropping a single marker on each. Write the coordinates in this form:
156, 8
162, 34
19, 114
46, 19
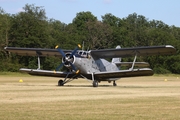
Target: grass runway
138, 98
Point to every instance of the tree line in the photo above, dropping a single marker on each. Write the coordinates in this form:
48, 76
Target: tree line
31, 28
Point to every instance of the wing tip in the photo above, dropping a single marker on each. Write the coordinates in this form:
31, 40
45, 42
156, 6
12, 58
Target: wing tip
173, 49
5, 48
169, 46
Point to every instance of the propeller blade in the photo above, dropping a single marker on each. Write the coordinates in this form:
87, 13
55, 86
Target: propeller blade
60, 66
62, 53
75, 50
73, 67
77, 72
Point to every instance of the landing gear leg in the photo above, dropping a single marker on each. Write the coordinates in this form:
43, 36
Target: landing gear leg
95, 82
114, 83
60, 83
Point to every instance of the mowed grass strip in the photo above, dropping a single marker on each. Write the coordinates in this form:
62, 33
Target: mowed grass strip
134, 98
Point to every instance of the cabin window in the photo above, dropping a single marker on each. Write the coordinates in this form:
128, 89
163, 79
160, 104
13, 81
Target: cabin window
80, 53
84, 53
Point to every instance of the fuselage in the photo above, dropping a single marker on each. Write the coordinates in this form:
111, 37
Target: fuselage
87, 64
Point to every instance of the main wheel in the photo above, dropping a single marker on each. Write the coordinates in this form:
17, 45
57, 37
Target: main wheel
95, 83
114, 83
60, 83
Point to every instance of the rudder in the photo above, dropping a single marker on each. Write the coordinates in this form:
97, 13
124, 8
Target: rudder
116, 60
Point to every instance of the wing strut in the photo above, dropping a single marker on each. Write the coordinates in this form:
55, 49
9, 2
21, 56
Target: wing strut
92, 76
133, 62
39, 62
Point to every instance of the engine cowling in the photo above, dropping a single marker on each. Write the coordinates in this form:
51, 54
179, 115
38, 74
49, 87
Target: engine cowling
68, 60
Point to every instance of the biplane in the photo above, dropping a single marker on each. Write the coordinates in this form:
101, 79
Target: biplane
93, 64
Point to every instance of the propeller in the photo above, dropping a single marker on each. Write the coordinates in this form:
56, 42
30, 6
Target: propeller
68, 58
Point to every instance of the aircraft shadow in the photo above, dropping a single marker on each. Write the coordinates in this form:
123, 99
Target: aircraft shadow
102, 86
87, 86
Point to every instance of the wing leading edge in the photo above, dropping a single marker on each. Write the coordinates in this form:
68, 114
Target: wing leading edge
139, 51
35, 51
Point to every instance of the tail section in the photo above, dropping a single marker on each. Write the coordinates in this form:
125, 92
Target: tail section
116, 60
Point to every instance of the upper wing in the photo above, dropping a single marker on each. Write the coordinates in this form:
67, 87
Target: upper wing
140, 51
35, 51
104, 53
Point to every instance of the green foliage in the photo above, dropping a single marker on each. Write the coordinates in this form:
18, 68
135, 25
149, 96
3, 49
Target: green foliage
161, 70
4, 31
81, 18
31, 28
9, 65
100, 35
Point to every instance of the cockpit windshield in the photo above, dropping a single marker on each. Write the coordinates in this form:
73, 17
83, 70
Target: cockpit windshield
83, 53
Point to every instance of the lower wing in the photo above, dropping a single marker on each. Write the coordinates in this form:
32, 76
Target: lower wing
124, 73
129, 64
48, 73
102, 76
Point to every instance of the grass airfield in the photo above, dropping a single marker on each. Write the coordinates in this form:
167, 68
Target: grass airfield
138, 98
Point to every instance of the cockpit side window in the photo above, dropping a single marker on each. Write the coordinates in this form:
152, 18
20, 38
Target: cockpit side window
84, 53
80, 53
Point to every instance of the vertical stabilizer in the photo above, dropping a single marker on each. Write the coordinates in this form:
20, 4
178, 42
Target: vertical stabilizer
116, 60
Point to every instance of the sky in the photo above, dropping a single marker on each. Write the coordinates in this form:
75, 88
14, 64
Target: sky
167, 11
